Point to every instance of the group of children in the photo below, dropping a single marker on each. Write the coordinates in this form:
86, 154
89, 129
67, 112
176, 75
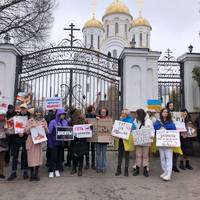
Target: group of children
32, 154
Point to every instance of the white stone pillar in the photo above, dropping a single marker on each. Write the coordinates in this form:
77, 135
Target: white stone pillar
140, 77
8, 63
191, 89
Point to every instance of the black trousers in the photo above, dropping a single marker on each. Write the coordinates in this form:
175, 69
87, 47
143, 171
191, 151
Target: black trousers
121, 153
91, 146
78, 161
56, 158
175, 158
17, 144
9, 152
69, 154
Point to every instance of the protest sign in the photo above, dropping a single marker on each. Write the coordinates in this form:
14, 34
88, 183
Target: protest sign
38, 135
154, 105
53, 103
64, 133
3, 104
121, 129
142, 136
20, 123
101, 130
167, 138
178, 121
82, 131
23, 98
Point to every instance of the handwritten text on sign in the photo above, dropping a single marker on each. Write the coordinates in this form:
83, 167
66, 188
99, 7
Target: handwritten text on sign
53, 103
167, 138
121, 129
142, 136
64, 133
82, 131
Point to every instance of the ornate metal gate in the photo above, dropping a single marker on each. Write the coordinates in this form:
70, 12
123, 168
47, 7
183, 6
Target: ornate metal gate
80, 76
170, 81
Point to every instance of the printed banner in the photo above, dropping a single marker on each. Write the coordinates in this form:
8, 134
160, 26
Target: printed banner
53, 103
154, 105
121, 129
101, 130
168, 138
3, 104
82, 131
142, 136
64, 133
20, 123
38, 135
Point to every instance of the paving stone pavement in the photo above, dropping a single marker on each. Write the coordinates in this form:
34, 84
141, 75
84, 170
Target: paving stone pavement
92, 186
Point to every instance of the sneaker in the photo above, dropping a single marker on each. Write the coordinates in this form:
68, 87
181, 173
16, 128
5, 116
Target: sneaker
167, 178
12, 177
51, 175
162, 175
57, 173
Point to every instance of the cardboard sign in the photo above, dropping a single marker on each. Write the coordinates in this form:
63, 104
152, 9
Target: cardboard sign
142, 136
82, 131
178, 121
20, 123
38, 135
168, 138
64, 133
121, 129
3, 105
53, 103
101, 130
154, 105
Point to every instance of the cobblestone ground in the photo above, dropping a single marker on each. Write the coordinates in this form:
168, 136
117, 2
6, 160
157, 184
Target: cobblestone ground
92, 186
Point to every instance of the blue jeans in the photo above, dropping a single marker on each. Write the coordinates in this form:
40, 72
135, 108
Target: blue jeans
101, 162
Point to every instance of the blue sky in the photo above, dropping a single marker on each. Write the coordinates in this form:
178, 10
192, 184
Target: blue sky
175, 23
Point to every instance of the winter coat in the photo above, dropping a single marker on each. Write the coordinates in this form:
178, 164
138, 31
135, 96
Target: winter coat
128, 144
34, 151
52, 129
148, 124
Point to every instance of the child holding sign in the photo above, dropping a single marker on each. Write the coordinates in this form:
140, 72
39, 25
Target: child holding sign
124, 146
142, 151
34, 151
166, 153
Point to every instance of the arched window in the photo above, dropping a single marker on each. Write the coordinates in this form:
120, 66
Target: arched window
98, 42
126, 30
140, 39
92, 40
107, 30
116, 28
147, 39
115, 53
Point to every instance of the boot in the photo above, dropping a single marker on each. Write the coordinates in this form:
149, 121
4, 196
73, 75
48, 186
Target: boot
145, 172
36, 177
25, 175
188, 166
126, 171
12, 176
175, 169
119, 171
32, 174
182, 165
136, 171
73, 171
80, 172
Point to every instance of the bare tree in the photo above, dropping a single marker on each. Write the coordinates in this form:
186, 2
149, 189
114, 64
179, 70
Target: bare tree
27, 21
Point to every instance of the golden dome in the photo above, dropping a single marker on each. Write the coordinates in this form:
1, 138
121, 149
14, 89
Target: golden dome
140, 21
93, 23
117, 7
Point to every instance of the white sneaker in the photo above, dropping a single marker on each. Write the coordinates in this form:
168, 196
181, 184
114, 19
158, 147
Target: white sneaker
57, 173
167, 178
51, 175
162, 175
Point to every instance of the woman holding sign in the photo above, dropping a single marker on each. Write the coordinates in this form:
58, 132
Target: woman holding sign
166, 153
142, 151
34, 142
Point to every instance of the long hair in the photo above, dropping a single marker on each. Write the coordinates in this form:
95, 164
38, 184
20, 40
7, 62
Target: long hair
90, 108
168, 103
188, 116
169, 117
141, 114
107, 112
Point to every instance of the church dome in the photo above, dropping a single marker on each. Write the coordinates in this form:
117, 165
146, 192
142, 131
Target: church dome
93, 23
140, 21
117, 7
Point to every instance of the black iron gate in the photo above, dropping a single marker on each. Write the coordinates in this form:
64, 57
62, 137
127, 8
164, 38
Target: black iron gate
80, 76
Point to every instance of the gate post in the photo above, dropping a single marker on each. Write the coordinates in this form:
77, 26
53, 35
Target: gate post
8, 71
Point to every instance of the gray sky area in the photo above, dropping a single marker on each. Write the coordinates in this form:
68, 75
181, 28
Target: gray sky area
175, 23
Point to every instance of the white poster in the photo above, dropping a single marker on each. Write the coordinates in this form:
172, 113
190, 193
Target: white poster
82, 131
20, 123
168, 138
38, 135
121, 129
53, 103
